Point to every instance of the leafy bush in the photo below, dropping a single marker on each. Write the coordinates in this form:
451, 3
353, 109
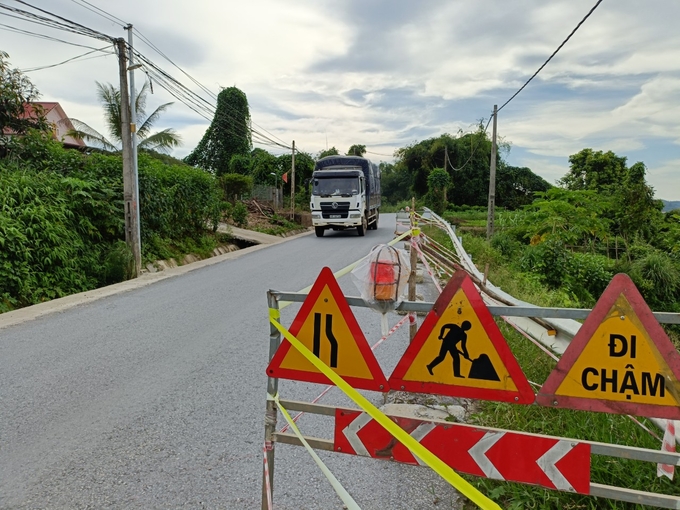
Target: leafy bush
587, 275
657, 277
235, 185
506, 245
240, 214
548, 259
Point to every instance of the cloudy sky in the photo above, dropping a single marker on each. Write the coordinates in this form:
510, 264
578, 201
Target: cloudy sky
386, 73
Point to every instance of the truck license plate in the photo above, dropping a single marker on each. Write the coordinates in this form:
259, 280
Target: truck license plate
333, 216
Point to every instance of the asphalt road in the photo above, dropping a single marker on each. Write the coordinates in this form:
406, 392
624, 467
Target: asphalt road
155, 397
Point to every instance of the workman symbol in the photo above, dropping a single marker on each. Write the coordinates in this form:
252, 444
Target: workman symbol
316, 348
454, 341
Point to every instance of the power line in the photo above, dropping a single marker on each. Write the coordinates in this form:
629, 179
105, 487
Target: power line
31, 69
9, 28
473, 150
64, 23
554, 53
100, 12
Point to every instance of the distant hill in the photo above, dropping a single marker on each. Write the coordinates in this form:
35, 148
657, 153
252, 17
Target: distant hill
669, 206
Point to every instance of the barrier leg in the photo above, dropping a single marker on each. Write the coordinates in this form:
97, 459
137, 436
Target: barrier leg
271, 411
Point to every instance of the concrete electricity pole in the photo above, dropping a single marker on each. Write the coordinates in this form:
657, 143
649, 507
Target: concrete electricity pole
129, 182
292, 187
492, 179
133, 132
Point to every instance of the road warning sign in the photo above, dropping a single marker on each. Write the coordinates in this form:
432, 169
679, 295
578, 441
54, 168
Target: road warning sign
327, 327
459, 351
620, 361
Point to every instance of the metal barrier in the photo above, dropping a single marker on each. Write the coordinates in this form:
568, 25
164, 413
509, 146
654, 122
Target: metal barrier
538, 455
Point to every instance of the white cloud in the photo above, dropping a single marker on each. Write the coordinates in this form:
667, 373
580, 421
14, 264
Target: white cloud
385, 74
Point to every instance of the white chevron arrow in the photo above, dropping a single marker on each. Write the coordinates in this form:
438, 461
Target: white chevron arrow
419, 434
547, 464
478, 453
351, 431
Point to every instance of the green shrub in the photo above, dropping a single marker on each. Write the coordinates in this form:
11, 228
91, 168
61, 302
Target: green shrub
240, 214
506, 245
548, 259
235, 185
657, 277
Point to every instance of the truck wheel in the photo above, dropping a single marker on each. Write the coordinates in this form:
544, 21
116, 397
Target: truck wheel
374, 224
319, 231
361, 229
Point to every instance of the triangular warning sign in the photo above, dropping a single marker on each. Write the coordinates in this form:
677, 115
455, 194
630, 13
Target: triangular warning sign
459, 351
327, 327
620, 361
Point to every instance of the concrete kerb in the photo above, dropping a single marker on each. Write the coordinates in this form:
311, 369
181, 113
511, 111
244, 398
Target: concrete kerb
61, 304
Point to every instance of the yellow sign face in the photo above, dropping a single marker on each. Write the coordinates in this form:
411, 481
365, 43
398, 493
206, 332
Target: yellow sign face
326, 333
327, 327
621, 363
460, 352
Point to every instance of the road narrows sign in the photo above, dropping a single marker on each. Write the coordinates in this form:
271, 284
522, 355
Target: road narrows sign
620, 361
326, 325
551, 462
459, 351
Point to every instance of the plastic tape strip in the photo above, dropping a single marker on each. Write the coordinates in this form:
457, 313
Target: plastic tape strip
347, 269
347, 500
400, 434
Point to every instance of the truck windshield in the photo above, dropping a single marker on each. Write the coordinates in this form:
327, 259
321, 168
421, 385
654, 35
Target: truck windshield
329, 186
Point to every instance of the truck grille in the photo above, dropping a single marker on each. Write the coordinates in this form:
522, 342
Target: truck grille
340, 211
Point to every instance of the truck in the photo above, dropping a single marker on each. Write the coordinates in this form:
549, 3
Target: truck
345, 194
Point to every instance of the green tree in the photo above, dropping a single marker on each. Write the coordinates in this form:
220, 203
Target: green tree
15, 91
229, 134
356, 150
516, 186
437, 182
109, 96
264, 164
636, 211
328, 152
570, 217
598, 171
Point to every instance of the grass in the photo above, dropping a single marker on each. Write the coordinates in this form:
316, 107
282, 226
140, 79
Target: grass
157, 248
536, 365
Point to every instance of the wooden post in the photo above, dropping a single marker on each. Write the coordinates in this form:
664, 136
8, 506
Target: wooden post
292, 187
413, 326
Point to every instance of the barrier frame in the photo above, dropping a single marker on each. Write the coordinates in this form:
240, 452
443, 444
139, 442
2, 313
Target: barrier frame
274, 298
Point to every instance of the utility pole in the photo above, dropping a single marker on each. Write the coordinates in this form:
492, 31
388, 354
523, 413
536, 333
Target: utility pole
129, 184
492, 178
292, 187
446, 167
133, 132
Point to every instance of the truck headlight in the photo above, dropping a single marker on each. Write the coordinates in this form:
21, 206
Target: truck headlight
355, 215
316, 215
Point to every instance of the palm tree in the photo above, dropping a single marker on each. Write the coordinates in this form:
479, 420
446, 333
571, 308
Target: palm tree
110, 99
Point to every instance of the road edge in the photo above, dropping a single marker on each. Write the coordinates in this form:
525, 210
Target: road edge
33, 312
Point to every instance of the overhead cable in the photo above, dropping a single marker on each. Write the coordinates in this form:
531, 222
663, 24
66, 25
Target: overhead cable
553, 54
31, 69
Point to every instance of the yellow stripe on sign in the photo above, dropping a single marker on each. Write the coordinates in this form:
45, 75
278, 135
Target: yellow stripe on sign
400, 434
346, 269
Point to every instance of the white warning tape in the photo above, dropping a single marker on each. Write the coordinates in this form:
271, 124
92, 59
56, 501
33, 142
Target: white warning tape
668, 445
347, 500
268, 488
